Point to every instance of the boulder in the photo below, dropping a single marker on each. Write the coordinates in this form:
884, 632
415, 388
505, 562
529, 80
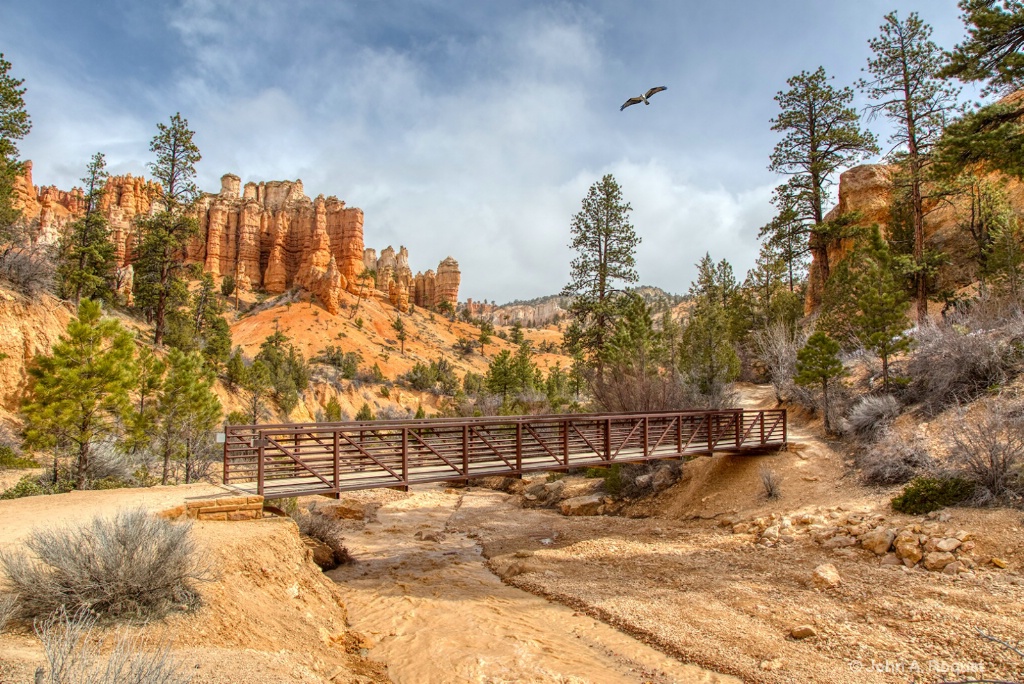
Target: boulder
826, 576
948, 544
937, 560
803, 632
592, 504
664, 477
878, 541
907, 547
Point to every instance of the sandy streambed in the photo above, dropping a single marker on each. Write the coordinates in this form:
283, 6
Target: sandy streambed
435, 613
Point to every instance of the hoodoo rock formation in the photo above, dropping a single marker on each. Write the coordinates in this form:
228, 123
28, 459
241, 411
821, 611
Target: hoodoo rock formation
267, 235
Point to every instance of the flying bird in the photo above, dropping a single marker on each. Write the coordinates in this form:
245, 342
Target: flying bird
642, 98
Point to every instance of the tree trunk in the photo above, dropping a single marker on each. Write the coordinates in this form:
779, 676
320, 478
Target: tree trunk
82, 466
824, 404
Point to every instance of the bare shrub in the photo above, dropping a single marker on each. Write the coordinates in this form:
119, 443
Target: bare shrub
326, 530
25, 262
71, 645
871, 414
771, 481
893, 459
776, 347
951, 364
392, 412
8, 608
130, 566
988, 446
622, 391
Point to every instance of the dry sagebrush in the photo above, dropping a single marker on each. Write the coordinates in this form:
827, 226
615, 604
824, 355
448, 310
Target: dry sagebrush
127, 567
71, 645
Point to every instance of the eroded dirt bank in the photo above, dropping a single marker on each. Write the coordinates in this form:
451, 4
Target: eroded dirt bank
433, 611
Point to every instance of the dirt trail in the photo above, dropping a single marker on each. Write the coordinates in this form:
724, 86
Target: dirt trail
437, 614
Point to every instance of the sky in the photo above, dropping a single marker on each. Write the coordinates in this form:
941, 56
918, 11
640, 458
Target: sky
471, 129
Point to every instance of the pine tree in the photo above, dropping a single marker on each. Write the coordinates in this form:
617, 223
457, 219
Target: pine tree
993, 49
143, 417
14, 125
788, 238
256, 386
822, 134
485, 336
708, 359
81, 393
164, 236
879, 322
188, 412
818, 362
364, 413
906, 88
500, 378
606, 244
85, 255
401, 334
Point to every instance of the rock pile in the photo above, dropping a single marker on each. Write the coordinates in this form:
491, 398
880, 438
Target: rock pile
929, 543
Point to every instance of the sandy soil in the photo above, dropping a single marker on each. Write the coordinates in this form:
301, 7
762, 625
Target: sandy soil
269, 614
436, 614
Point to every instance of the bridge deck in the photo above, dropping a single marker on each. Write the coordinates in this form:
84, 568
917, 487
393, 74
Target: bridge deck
330, 458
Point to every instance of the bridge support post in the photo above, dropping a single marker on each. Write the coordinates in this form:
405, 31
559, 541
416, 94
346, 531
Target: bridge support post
608, 440
647, 425
337, 465
565, 442
405, 458
519, 449
465, 451
260, 442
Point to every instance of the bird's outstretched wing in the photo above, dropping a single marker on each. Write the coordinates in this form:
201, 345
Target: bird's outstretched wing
655, 90
630, 101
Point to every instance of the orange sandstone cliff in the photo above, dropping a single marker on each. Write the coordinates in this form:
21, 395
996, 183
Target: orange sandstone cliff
267, 235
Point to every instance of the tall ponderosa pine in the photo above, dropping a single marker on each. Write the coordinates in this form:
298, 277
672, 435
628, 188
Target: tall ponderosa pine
818, 363
822, 134
994, 49
164, 236
605, 243
86, 255
906, 88
14, 125
787, 237
201, 327
81, 393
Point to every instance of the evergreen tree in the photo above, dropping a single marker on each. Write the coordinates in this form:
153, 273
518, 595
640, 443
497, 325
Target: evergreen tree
85, 255
515, 335
188, 412
333, 411
500, 378
485, 336
164, 236
822, 134
143, 417
818, 362
14, 125
201, 327
81, 393
1006, 259
788, 237
401, 334
524, 370
235, 369
994, 49
708, 359
879, 321
256, 386
605, 243
906, 88
364, 413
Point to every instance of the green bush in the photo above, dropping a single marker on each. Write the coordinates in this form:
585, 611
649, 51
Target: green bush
927, 494
9, 460
26, 486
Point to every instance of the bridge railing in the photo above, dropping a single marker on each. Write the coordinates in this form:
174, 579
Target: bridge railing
328, 458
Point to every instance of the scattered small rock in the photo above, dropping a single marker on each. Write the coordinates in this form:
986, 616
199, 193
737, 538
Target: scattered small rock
430, 535
826, 576
999, 563
803, 632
